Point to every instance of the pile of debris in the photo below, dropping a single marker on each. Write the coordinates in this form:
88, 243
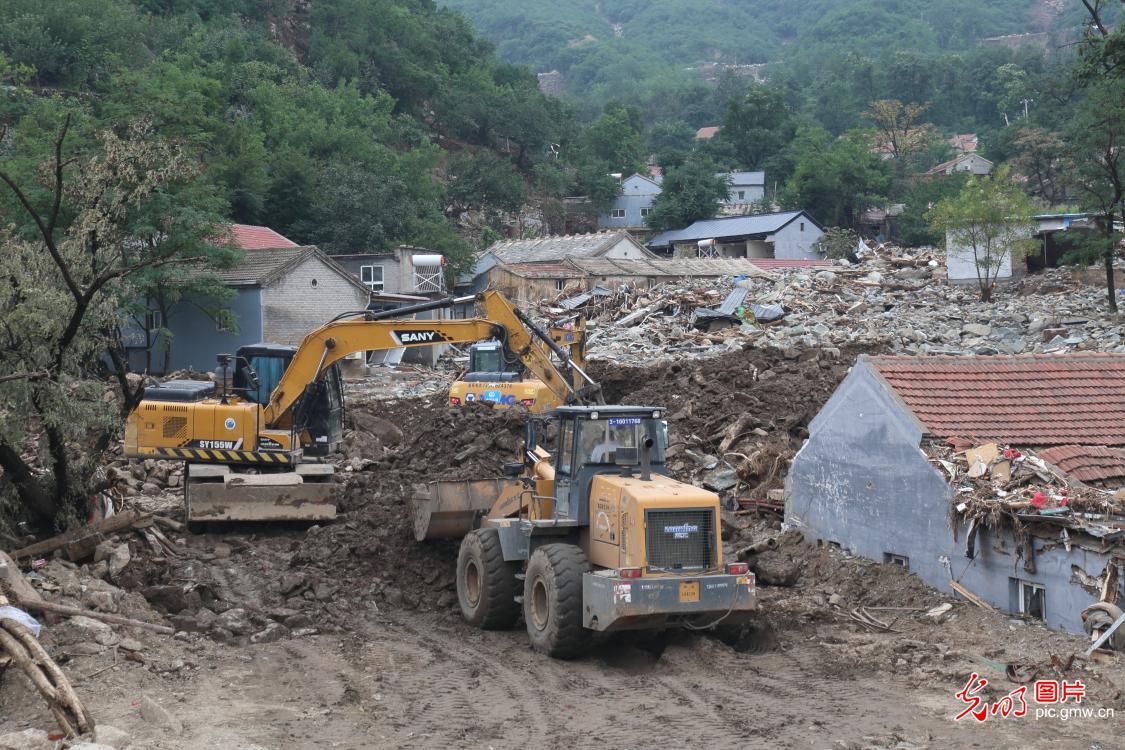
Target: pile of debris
897, 301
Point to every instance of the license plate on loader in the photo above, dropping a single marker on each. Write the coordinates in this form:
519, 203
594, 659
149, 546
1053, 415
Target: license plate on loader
689, 591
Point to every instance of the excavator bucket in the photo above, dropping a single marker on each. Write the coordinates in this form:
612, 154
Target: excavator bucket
450, 510
222, 493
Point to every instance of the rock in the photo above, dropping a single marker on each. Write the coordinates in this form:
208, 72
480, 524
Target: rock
172, 599
704, 460
976, 329
292, 582
298, 621
28, 739
91, 746
825, 277
99, 601
222, 551
275, 631
776, 569
835, 600
119, 560
151, 489
235, 620
80, 629
387, 432
939, 610
157, 715
131, 644
720, 479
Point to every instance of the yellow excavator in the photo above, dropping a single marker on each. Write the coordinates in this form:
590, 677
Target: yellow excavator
503, 382
588, 533
250, 441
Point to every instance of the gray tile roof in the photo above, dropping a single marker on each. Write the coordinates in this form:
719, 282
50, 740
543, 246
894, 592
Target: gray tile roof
668, 267
733, 226
261, 267
555, 248
748, 178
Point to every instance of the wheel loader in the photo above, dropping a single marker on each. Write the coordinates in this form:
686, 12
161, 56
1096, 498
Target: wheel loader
252, 439
494, 378
588, 533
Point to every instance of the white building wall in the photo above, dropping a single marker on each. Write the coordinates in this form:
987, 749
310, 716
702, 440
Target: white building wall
796, 240
961, 264
304, 299
625, 248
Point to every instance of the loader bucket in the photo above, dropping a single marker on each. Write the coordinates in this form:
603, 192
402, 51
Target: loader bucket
450, 510
218, 493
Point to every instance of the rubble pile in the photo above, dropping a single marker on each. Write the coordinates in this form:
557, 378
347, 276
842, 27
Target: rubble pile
1003, 486
896, 300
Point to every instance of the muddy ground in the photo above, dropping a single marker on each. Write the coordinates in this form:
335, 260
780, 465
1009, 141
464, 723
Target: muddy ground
346, 635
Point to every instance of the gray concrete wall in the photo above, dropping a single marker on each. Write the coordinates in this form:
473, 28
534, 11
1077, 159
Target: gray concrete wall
862, 481
636, 194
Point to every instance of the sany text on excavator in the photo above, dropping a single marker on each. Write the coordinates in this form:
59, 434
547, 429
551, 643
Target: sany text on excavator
249, 457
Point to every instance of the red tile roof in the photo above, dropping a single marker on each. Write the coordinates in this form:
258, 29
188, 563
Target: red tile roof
770, 264
706, 134
544, 270
1087, 463
250, 237
1026, 400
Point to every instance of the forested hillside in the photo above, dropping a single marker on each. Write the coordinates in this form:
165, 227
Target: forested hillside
354, 124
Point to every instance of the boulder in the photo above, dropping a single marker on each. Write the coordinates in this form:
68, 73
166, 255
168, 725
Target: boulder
28, 739
157, 715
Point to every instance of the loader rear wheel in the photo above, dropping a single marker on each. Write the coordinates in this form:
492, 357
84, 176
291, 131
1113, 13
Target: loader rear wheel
487, 586
552, 600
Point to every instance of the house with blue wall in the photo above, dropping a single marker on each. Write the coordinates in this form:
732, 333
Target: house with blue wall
275, 295
880, 476
632, 205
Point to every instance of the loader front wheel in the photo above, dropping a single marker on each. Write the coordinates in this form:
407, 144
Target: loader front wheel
552, 600
487, 586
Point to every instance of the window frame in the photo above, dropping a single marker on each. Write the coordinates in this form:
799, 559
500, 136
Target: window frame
225, 320
372, 284
645, 212
617, 213
154, 320
1024, 601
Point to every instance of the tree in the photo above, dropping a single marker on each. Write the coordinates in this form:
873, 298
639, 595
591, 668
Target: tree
74, 239
989, 221
835, 179
900, 133
690, 192
615, 139
1097, 132
1042, 157
758, 125
484, 181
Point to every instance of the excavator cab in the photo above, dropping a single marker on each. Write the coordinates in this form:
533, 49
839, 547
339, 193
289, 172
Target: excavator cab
258, 370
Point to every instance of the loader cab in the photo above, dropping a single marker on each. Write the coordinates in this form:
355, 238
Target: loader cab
487, 365
592, 440
325, 423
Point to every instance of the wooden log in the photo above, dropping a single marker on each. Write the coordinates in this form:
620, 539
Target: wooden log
61, 609
117, 522
24, 661
54, 674
14, 582
970, 596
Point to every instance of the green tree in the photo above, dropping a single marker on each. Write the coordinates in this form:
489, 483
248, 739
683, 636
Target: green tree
758, 126
74, 245
690, 192
990, 222
484, 181
835, 179
615, 139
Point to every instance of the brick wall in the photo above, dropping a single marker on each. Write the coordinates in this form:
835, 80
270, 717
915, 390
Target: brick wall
295, 305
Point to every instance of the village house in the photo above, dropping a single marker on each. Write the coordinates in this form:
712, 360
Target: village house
277, 295
631, 208
402, 270
789, 235
1048, 230
971, 162
878, 475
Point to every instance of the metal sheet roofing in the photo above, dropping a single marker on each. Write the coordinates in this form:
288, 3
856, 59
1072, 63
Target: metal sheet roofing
555, 248
1024, 400
728, 227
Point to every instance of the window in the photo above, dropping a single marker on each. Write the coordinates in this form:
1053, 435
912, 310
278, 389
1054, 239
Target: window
566, 446
742, 195
802, 226
153, 320
226, 320
889, 558
1029, 598
560, 284
617, 213
645, 212
372, 277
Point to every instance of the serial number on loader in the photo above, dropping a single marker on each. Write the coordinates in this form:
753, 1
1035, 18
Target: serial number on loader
689, 591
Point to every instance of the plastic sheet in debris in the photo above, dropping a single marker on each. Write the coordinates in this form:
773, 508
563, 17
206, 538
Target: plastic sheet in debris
23, 618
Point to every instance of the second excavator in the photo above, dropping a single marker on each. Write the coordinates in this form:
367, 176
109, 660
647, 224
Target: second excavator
253, 457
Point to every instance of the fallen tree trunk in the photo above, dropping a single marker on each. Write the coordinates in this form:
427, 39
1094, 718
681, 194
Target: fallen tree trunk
117, 522
62, 609
27, 653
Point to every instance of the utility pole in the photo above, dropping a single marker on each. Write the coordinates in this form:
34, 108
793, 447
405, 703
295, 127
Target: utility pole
1025, 103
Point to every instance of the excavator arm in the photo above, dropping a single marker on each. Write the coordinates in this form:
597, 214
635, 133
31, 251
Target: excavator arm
503, 321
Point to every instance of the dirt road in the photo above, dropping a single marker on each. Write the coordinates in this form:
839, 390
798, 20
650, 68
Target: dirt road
429, 681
